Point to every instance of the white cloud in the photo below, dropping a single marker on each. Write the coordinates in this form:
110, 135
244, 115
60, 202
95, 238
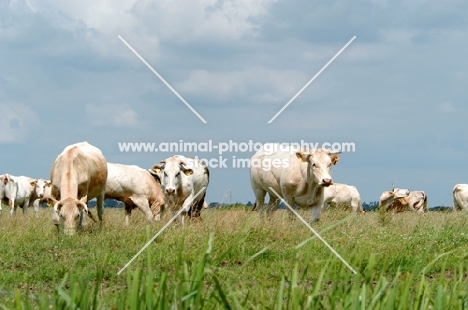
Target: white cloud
257, 83
115, 115
16, 122
447, 107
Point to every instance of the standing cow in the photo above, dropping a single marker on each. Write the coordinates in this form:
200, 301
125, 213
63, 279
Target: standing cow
182, 178
21, 191
46, 187
344, 195
460, 197
136, 188
299, 176
78, 175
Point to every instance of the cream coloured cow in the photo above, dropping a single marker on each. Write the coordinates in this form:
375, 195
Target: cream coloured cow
416, 201
78, 175
388, 198
343, 195
136, 188
21, 191
299, 176
460, 197
182, 178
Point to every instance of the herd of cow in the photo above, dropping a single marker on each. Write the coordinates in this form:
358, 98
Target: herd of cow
81, 173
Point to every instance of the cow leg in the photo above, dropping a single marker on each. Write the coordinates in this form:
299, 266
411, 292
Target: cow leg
83, 222
11, 203
260, 200
143, 204
272, 205
25, 206
36, 208
128, 213
100, 206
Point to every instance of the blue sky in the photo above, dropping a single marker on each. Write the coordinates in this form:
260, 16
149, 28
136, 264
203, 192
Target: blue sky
398, 91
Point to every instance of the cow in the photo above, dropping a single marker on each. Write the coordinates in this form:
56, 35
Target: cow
46, 187
3, 199
343, 195
388, 198
298, 175
78, 175
416, 201
21, 191
136, 188
182, 178
460, 197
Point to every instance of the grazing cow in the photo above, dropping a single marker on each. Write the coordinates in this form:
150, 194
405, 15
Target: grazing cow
460, 197
136, 188
298, 175
416, 201
343, 195
181, 179
388, 197
78, 175
21, 191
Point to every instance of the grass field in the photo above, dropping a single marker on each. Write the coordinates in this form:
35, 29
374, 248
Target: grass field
231, 259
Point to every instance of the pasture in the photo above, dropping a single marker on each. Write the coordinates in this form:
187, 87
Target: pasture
231, 260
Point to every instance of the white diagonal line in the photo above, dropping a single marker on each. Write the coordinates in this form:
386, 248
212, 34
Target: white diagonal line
163, 80
159, 232
311, 80
313, 230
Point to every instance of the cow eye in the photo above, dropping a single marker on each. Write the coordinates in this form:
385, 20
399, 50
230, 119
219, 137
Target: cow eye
314, 165
178, 173
165, 174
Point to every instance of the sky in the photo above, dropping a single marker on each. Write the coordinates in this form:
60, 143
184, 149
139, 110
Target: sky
398, 91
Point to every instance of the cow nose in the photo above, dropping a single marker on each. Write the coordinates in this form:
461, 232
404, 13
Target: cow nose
169, 191
327, 182
41, 196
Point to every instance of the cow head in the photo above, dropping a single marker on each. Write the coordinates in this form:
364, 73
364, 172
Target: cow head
319, 164
40, 187
70, 212
173, 172
388, 197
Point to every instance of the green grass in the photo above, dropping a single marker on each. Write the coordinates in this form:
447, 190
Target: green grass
231, 259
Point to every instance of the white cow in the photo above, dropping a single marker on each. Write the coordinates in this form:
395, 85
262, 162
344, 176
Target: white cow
388, 198
182, 178
460, 197
46, 187
20, 191
343, 195
136, 188
78, 175
299, 176
3, 199
416, 201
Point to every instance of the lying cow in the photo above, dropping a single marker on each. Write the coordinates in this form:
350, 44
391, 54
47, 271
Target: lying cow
416, 201
460, 197
388, 198
343, 195
299, 176
78, 175
136, 188
182, 178
21, 191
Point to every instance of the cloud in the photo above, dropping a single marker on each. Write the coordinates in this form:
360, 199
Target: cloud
446, 107
104, 115
17, 122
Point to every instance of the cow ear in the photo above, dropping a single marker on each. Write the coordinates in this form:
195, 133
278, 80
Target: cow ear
303, 156
188, 172
48, 183
33, 183
334, 159
5, 180
156, 168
